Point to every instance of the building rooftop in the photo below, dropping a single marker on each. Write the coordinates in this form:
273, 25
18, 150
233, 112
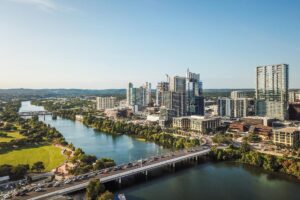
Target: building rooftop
288, 129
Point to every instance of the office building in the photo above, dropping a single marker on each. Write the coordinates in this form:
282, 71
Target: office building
174, 101
195, 99
289, 136
272, 91
106, 102
178, 84
161, 87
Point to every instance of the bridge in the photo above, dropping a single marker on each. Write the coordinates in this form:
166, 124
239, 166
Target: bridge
144, 166
34, 113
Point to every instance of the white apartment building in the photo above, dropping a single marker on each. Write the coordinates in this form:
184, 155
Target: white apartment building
106, 102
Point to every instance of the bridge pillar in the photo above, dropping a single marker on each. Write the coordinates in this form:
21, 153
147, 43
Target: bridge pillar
146, 173
120, 180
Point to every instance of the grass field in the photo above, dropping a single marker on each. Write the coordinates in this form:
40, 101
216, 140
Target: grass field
11, 136
49, 155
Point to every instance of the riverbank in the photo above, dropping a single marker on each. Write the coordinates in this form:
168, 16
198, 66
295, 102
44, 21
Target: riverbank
69, 110
244, 155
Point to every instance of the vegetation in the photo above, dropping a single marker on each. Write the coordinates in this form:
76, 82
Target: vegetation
253, 138
50, 156
222, 138
85, 163
245, 155
38, 166
14, 172
106, 196
94, 189
9, 136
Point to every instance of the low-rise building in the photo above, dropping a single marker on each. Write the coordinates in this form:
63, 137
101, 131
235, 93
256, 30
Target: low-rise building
237, 127
182, 122
289, 136
197, 123
256, 120
264, 132
203, 124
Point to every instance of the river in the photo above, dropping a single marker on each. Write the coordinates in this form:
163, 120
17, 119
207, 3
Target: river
205, 181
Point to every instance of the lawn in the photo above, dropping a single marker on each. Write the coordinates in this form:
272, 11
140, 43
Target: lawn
50, 155
11, 136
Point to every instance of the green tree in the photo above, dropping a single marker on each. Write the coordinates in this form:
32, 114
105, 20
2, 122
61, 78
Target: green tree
106, 196
38, 166
94, 189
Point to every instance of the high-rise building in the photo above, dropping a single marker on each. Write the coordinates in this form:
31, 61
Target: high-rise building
139, 97
236, 108
129, 92
178, 84
174, 101
195, 99
147, 94
272, 83
161, 87
175, 98
237, 94
225, 107
106, 102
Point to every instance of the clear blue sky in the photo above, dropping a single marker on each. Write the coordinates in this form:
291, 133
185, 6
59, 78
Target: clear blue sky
99, 44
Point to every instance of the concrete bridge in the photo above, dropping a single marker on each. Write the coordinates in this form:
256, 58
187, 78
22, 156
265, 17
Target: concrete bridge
34, 113
144, 167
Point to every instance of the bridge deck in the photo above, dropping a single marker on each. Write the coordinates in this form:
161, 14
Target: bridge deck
112, 176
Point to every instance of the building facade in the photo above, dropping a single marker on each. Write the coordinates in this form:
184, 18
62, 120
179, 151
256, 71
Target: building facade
289, 136
139, 97
204, 125
106, 102
197, 123
195, 99
225, 107
238, 94
272, 83
160, 89
294, 96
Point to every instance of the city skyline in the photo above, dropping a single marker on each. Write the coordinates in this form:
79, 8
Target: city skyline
104, 45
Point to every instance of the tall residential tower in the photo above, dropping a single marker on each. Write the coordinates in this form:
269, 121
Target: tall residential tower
272, 84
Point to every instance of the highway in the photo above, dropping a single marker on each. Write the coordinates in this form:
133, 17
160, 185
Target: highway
143, 166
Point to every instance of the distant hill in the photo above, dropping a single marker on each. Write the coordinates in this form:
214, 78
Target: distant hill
44, 93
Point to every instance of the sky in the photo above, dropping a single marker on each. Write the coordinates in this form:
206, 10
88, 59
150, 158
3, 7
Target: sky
103, 44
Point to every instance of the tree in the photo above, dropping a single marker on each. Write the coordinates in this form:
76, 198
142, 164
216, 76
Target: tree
94, 189
245, 147
38, 166
106, 196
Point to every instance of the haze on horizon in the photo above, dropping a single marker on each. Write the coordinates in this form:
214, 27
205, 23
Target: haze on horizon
99, 44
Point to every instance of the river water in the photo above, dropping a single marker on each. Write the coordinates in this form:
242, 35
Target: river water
205, 181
